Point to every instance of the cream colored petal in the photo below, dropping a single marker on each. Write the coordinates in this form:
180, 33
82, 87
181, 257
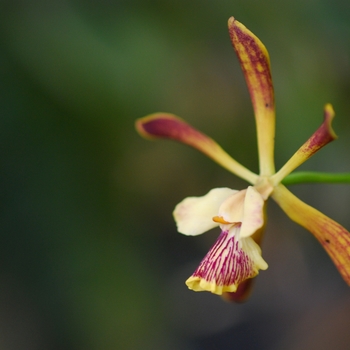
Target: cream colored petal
253, 212
194, 215
228, 263
169, 126
231, 210
334, 238
245, 207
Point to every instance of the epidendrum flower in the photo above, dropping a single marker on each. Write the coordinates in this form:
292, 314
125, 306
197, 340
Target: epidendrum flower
236, 257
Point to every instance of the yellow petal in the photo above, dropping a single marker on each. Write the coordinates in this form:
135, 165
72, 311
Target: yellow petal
164, 125
194, 215
334, 238
323, 135
255, 63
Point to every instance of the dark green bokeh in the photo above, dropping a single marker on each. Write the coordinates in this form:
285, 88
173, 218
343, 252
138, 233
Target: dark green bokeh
90, 256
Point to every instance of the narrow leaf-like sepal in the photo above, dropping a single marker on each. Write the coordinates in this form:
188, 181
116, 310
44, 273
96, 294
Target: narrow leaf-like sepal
164, 125
334, 238
255, 63
323, 135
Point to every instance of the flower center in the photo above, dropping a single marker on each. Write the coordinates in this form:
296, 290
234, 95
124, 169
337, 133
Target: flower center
264, 186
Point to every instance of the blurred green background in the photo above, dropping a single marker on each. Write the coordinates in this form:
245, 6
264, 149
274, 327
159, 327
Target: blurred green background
90, 257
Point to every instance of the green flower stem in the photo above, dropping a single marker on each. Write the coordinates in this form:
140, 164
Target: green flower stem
315, 177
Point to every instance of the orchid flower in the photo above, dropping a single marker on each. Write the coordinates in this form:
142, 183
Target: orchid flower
236, 257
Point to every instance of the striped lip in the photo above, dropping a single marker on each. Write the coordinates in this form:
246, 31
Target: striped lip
228, 263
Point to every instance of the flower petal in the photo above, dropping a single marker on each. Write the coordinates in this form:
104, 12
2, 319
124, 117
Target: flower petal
255, 63
164, 125
194, 215
228, 263
323, 135
231, 210
245, 207
253, 212
334, 238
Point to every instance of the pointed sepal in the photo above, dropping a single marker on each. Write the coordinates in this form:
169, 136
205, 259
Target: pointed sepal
334, 238
321, 137
169, 126
255, 63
